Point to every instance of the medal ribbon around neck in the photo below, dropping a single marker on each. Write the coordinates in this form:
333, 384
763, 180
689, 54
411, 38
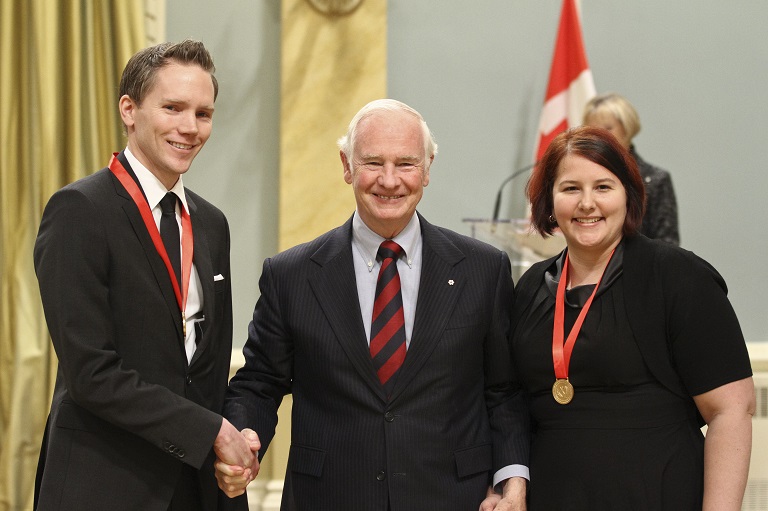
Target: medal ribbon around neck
562, 390
187, 240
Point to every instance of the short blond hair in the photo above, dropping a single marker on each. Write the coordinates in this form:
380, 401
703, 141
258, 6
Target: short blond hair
619, 107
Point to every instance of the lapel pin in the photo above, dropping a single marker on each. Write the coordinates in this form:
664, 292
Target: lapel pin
450, 282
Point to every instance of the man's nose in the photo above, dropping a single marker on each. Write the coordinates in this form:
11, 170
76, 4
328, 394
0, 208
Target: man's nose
188, 123
388, 177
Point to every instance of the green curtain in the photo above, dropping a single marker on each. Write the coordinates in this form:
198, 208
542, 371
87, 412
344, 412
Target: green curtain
60, 63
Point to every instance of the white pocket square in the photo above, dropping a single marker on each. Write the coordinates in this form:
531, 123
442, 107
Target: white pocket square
218, 277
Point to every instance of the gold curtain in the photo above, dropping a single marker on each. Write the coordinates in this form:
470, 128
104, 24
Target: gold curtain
331, 65
60, 63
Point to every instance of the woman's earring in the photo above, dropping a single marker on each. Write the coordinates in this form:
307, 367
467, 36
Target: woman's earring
552, 219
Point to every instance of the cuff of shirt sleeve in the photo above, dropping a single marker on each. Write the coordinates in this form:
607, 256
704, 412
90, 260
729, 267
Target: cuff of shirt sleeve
507, 472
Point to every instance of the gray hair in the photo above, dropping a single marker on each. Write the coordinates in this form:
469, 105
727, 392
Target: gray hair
347, 142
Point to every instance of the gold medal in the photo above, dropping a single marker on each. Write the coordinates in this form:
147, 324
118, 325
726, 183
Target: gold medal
562, 391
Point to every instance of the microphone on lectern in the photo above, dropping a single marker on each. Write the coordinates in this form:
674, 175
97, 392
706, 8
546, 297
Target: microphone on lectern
501, 187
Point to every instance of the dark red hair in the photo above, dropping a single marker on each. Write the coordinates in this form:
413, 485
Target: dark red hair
598, 146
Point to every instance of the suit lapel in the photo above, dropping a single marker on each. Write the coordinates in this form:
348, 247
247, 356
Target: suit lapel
204, 266
440, 287
335, 289
155, 262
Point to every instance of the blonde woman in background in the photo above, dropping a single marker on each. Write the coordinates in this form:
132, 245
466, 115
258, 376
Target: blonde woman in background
614, 113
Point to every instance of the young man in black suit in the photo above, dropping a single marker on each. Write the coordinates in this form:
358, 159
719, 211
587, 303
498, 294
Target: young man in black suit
141, 323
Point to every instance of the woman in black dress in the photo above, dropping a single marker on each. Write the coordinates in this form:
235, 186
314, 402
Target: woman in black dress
627, 346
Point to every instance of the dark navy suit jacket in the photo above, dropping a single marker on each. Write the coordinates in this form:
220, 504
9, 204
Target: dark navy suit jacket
454, 416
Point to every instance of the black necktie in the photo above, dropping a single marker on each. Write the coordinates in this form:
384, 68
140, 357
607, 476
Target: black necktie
388, 321
169, 232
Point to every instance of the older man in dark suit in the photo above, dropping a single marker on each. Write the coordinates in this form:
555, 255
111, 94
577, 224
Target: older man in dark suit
135, 281
392, 336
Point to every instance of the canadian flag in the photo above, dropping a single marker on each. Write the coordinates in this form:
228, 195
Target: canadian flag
570, 81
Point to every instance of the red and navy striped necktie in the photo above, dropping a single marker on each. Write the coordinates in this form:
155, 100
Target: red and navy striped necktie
388, 322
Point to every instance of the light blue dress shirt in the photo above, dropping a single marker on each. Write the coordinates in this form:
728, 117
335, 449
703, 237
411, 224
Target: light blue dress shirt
365, 245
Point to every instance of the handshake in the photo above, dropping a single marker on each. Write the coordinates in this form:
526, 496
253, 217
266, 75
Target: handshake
237, 462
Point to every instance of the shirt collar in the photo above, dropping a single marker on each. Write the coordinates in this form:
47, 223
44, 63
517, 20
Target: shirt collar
367, 241
154, 190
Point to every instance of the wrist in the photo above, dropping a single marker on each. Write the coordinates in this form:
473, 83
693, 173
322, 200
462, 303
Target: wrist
514, 488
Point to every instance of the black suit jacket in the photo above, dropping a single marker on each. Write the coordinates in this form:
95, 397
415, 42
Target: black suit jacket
454, 416
127, 410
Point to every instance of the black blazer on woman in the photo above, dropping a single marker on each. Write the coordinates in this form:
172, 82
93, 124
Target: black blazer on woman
679, 314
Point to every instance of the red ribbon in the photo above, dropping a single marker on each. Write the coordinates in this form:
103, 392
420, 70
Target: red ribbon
561, 352
187, 240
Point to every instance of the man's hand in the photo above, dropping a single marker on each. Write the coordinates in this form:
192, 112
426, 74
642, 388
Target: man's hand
491, 499
238, 461
513, 498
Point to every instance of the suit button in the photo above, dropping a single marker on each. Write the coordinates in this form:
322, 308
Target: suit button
381, 476
189, 380
181, 453
389, 416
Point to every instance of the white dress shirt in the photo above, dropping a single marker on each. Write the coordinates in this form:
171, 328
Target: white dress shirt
154, 190
365, 245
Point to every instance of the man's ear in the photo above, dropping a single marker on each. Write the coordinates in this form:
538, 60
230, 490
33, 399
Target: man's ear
127, 108
347, 168
425, 177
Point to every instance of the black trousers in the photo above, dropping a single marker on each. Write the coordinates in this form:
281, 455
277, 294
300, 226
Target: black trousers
187, 494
